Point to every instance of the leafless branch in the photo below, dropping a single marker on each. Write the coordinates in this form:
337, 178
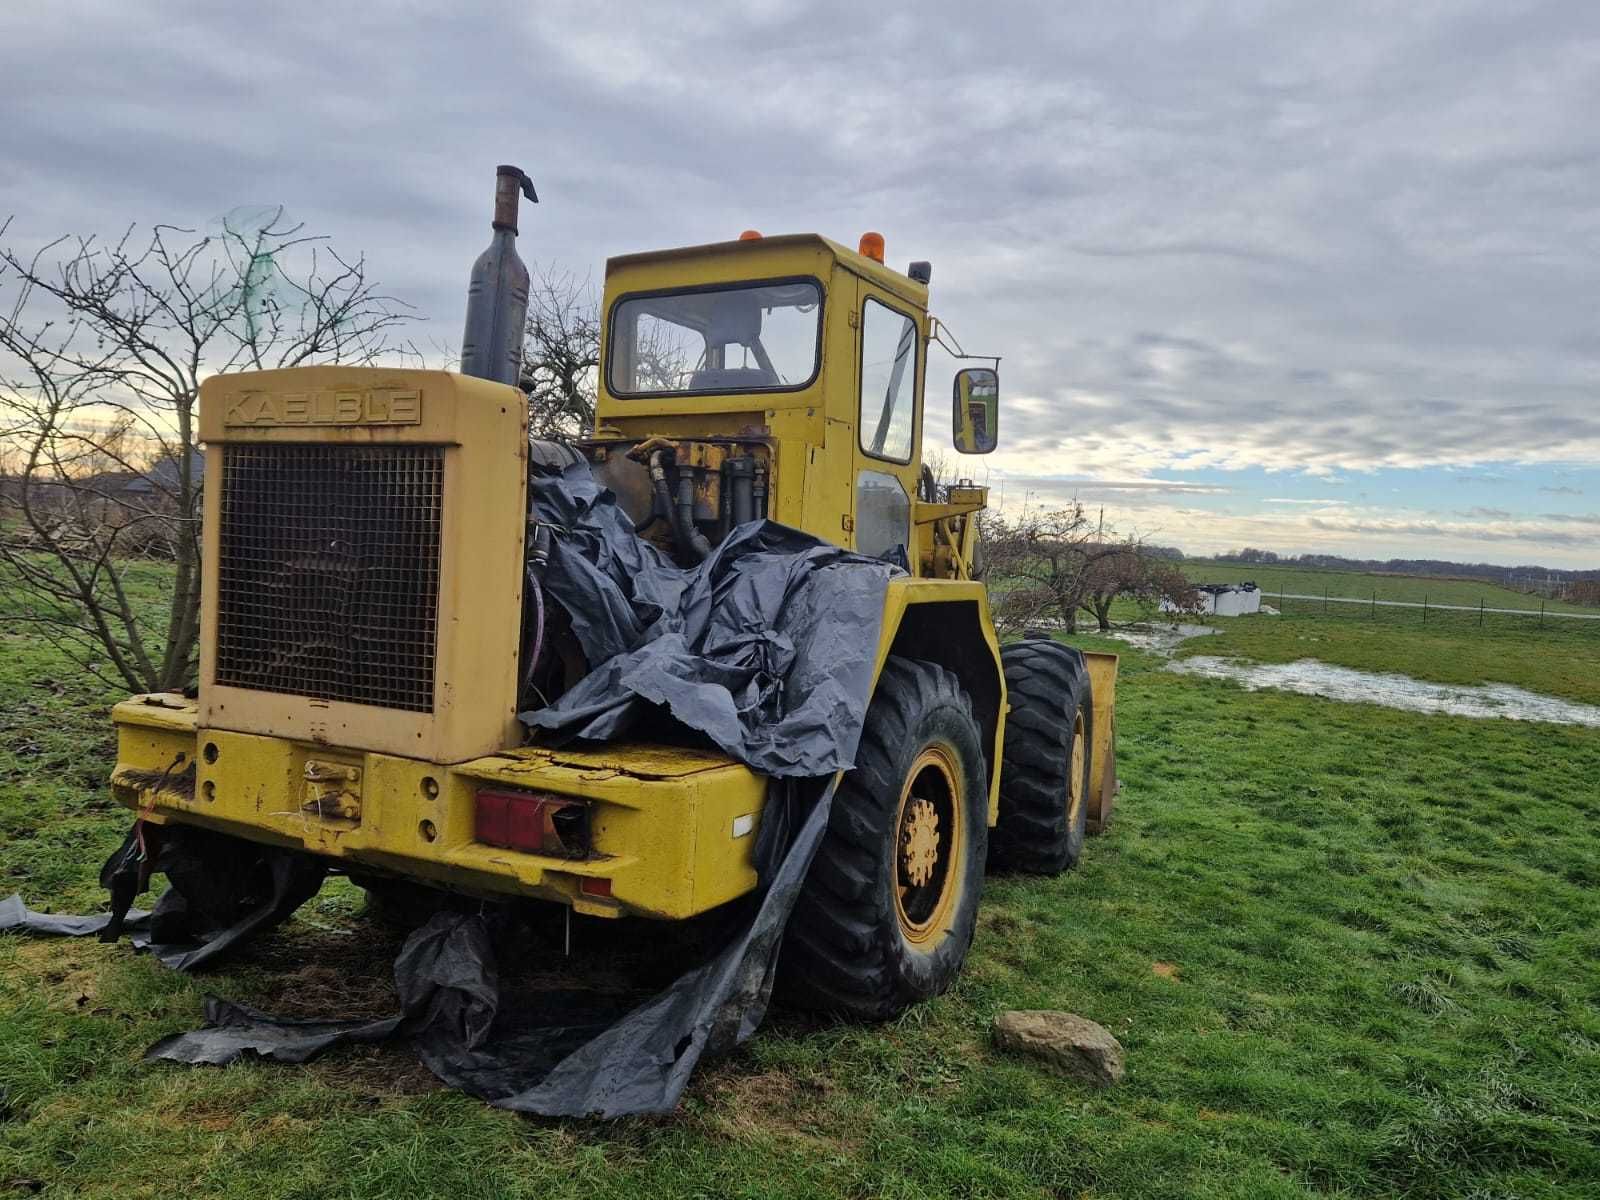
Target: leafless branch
102, 349
1048, 566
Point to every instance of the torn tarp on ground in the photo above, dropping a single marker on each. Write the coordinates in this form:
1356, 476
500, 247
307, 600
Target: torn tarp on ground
767, 650
575, 1059
223, 892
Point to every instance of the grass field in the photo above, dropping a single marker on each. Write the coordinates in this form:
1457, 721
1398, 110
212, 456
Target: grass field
1351, 952
1364, 585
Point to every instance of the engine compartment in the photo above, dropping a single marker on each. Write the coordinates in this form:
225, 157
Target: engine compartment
683, 497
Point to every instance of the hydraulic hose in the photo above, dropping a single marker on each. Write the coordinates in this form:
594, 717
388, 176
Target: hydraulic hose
741, 479
690, 539
538, 560
659, 493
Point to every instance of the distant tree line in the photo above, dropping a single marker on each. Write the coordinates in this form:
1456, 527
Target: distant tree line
1521, 577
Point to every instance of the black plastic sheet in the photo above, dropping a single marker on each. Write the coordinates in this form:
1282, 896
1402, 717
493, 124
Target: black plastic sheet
17, 917
223, 892
572, 1058
766, 649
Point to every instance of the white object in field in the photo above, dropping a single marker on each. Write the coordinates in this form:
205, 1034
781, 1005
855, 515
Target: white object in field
1224, 599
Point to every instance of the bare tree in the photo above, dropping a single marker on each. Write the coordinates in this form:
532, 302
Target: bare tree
1138, 575
560, 353
1051, 565
102, 349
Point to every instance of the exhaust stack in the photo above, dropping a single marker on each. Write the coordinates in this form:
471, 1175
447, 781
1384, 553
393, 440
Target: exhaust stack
497, 294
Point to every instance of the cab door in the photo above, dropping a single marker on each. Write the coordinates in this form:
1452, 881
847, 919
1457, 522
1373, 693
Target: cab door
889, 369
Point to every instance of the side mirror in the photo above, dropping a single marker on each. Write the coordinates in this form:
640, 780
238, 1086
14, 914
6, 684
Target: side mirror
977, 410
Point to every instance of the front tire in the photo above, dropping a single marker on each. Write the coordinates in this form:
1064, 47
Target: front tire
887, 912
1046, 772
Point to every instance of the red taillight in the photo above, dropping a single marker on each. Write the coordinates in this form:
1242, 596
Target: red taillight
537, 822
593, 886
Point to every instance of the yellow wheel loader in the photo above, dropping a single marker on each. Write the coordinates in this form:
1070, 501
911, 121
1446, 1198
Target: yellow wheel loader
369, 634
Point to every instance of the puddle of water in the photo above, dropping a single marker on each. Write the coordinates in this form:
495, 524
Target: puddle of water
1161, 639
1309, 677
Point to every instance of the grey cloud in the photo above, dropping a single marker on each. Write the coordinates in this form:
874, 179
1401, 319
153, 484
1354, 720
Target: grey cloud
1488, 530
1574, 518
1165, 487
1562, 490
1299, 236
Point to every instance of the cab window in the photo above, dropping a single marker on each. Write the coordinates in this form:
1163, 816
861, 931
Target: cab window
888, 381
744, 337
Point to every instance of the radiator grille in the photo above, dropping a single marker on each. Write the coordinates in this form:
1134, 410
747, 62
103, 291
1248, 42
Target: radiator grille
329, 572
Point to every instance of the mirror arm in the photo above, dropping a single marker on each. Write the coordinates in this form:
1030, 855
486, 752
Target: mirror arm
938, 331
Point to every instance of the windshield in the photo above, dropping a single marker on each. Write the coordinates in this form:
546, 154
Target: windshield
745, 337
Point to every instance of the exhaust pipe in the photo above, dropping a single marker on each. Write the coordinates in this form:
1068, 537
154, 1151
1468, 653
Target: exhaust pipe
497, 294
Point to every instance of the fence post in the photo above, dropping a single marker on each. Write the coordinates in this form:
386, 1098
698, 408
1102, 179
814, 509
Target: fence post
1374, 604
1541, 612
1480, 612
1424, 608
1324, 599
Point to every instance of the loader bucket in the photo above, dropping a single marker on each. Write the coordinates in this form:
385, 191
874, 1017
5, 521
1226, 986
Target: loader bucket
1105, 785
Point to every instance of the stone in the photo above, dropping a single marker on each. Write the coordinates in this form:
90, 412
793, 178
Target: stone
1072, 1045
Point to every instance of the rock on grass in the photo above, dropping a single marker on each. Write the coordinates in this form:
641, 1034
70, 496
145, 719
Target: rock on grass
1071, 1044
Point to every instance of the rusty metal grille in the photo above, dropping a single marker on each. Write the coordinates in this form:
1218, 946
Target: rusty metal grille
328, 572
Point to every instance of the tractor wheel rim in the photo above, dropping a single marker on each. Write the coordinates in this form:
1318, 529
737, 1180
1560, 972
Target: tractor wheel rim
1075, 772
929, 845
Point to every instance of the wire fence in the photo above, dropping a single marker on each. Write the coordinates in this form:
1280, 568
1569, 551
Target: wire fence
1429, 613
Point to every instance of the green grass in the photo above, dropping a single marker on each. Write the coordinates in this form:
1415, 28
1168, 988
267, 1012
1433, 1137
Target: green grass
1364, 585
1380, 929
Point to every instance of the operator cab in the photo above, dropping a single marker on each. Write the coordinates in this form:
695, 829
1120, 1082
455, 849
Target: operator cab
793, 362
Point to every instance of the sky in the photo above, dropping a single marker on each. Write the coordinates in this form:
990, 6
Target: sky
1303, 276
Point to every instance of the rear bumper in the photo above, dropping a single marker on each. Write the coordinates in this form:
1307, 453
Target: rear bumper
673, 830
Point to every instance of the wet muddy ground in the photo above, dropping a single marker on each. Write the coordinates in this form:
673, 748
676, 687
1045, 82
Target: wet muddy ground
1312, 678
1309, 677
1161, 639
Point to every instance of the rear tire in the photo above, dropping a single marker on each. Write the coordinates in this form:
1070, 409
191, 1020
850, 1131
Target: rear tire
886, 914
1048, 751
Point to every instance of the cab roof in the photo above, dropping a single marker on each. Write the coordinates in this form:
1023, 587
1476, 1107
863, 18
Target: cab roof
852, 261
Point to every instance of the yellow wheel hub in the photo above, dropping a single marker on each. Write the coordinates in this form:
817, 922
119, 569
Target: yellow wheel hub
930, 845
919, 842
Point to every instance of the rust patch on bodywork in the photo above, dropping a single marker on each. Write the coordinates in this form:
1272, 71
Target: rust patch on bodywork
177, 784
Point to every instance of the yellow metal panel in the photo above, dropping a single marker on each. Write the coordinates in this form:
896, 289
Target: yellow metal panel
673, 829
155, 747
164, 711
828, 497
904, 593
645, 761
1103, 687
483, 426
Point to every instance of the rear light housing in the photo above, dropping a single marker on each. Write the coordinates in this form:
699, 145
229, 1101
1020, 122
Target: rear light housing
535, 822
